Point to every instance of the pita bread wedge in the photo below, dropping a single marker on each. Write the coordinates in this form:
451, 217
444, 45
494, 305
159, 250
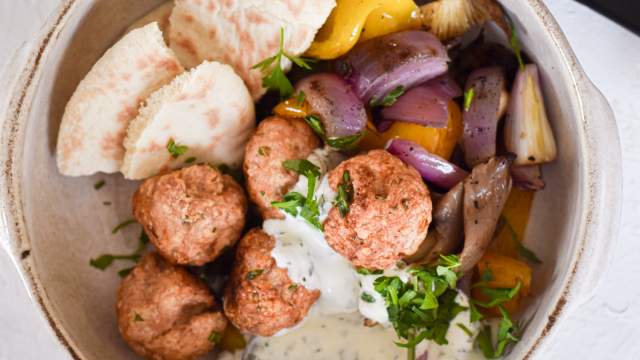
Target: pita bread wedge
207, 114
160, 15
96, 117
243, 33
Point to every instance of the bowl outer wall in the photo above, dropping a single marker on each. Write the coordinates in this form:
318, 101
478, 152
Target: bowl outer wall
599, 170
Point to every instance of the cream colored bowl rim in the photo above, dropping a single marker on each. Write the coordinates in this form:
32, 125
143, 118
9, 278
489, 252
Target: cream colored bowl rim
602, 181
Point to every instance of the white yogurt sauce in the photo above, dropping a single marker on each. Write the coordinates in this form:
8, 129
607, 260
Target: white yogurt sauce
334, 328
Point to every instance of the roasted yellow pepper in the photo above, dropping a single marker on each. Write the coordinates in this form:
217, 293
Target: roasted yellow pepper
352, 20
438, 141
516, 216
506, 272
292, 108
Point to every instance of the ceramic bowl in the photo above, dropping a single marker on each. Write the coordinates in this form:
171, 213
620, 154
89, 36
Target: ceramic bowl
52, 225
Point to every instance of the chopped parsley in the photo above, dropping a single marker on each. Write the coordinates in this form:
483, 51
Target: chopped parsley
300, 98
99, 184
137, 317
316, 125
523, 252
124, 272
365, 271
190, 160
468, 98
273, 74
214, 337
515, 45
293, 287
345, 142
264, 151
297, 204
366, 297
466, 330
345, 194
388, 99
176, 150
254, 274
423, 307
123, 225
104, 261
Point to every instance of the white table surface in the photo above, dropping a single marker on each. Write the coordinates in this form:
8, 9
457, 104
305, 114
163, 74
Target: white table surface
605, 326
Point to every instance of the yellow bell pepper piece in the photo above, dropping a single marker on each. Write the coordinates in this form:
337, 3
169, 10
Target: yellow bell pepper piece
292, 108
350, 18
516, 215
438, 141
506, 273
392, 16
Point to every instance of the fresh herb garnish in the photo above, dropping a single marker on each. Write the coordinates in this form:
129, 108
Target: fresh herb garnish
423, 307
468, 98
295, 203
466, 330
345, 142
123, 225
137, 317
300, 98
514, 40
254, 274
190, 160
293, 287
388, 99
214, 337
176, 150
497, 296
365, 271
99, 184
345, 194
316, 125
104, 261
366, 297
274, 77
236, 174
264, 151
124, 272
523, 252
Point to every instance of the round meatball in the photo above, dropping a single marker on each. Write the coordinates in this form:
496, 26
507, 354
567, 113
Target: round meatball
260, 298
166, 313
389, 215
276, 140
191, 215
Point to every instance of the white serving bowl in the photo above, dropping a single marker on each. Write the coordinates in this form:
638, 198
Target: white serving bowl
52, 225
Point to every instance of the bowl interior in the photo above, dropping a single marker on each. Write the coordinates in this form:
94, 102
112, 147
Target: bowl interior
68, 221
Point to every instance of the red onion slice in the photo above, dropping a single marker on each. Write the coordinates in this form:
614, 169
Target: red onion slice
446, 86
527, 177
342, 113
421, 105
433, 168
481, 118
376, 67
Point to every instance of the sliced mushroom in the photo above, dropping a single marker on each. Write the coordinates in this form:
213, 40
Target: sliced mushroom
445, 234
485, 192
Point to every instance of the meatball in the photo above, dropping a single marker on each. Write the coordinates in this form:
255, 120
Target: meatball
276, 140
260, 298
165, 313
389, 215
191, 215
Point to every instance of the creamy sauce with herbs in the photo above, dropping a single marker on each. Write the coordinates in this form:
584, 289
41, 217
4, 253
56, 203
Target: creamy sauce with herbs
334, 328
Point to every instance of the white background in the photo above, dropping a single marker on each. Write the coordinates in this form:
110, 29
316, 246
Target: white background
606, 326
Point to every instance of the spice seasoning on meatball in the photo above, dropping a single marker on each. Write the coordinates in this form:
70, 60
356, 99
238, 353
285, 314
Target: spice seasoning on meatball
260, 298
275, 141
191, 215
164, 312
389, 213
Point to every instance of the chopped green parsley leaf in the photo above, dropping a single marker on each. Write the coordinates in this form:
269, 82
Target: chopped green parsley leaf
316, 125
190, 160
365, 271
104, 261
214, 337
300, 98
388, 99
99, 184
176, 150
123, 225
274, 76
308, 206
523, 252
137, 317
366, 297
346, 142
254, 274
124, 272
345, 194
466, 330
468, 98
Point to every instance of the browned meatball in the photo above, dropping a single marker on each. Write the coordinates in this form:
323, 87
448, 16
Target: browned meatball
165, 313
389, 215
191, 215
275, 140
260, 298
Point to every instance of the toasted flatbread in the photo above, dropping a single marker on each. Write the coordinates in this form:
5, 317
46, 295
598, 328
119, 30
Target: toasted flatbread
209, 110
243, 33
160, 15
96, 117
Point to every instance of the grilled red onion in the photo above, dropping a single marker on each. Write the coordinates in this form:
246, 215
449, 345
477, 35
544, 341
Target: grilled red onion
481, 118
403, 59
342, 113
433, 168
446, 86
421, 105
527, 177
527, 132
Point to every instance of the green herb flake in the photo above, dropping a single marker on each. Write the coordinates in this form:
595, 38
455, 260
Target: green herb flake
466, 330
176, 150
99, 184
468, 98
366, 297
264, 151
214, 337
124, 272
137, 317
345, 194
365, 271
346, 142
514, 40
316, 125
293, 287
104, 261
123, 225
297, 204
388, 99
301, 97
523, 252
190, 160
273, 74
254, 274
